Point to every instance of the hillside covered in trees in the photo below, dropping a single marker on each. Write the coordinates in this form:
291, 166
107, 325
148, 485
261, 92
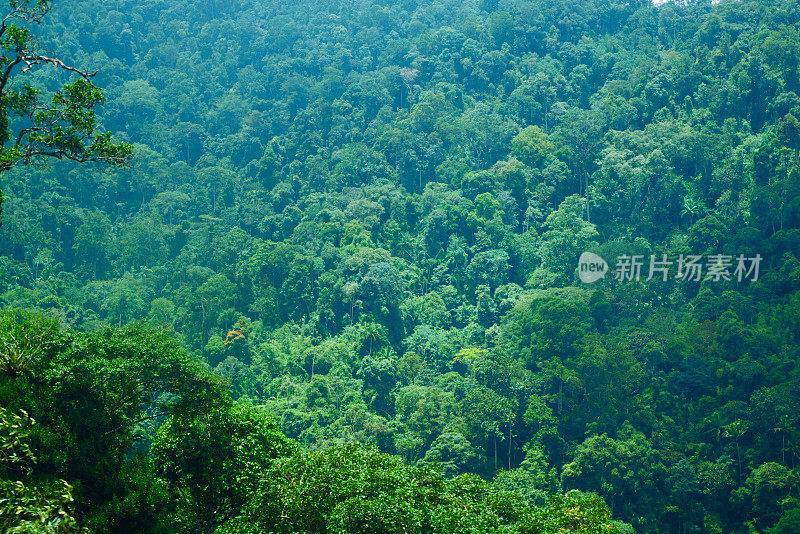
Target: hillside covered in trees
345, 255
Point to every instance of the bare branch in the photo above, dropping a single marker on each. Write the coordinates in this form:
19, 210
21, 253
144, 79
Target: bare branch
30, 61
61, 154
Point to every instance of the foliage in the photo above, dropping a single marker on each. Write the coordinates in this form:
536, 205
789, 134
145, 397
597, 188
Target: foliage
22, 508
367, 219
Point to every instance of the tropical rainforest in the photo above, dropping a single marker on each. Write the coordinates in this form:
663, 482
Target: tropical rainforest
313, 266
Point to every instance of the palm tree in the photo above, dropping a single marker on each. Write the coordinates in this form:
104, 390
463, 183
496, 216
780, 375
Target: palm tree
693, 208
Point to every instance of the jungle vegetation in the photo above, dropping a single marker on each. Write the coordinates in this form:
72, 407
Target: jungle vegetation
324, 277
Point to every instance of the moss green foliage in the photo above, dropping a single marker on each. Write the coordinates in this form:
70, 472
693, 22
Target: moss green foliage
364, 219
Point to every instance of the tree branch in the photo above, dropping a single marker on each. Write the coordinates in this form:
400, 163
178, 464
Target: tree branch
134, 422
7, 73
32, 60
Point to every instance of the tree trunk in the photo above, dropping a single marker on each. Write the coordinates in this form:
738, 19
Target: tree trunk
495, 452
509, 446
739, 462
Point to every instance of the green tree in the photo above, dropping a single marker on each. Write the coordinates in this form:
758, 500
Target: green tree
92, 396
531, 146
566, 236
65, 127
93, 241
215, 461
453, 452
618, 469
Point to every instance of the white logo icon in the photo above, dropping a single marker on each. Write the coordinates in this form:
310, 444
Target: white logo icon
591, 268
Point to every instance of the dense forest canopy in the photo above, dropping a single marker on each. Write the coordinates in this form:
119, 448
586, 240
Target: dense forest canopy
346, 252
